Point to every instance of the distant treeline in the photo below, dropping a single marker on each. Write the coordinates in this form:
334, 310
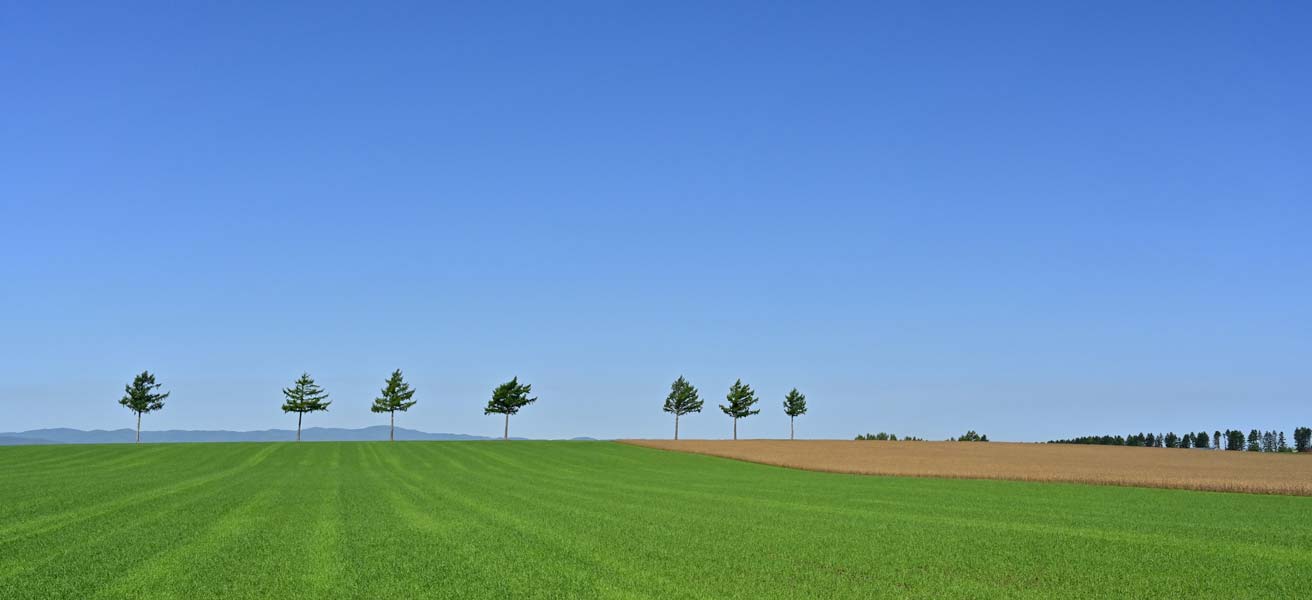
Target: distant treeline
887, 437
1230, 439
970, 436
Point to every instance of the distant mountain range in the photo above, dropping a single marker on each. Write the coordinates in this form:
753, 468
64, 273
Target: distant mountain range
312, 434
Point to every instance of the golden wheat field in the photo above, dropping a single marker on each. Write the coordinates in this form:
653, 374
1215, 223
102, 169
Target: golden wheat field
1212, 470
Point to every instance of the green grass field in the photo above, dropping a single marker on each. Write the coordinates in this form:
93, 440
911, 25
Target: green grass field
596, 519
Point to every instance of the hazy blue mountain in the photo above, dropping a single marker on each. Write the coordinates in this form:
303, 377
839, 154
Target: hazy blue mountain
317, 434
13, 440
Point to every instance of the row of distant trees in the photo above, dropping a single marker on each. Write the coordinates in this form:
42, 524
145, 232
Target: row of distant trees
1231, 439
969, 436
144, 396
887, 437
684, 399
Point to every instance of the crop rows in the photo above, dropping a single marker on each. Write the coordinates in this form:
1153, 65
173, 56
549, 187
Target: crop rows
594, 519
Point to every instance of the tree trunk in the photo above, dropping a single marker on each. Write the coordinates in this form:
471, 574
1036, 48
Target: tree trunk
676, 426
298, 425
735, 429
790, 427
138, 428
506, 434
391, 435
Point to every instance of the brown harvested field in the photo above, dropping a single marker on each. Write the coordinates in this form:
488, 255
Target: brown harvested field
1220, 471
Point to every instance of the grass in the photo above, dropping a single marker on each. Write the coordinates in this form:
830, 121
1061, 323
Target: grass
1176, 468
595, 519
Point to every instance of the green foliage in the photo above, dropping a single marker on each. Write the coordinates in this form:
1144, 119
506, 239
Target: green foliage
141, 396
509, 397
740, 399
887, 437
971, 436
683, 398
599, 520
305, 396
1303, 439
795, 403
396, 395
1254, 441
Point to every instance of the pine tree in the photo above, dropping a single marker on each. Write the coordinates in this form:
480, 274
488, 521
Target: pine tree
396, 396
304, 396
1216, 440
1234, 440
683, 399
141, 397
1254, 441
1281, 445
1302, 439
507, 399
794, 406
1200, 440
741, 398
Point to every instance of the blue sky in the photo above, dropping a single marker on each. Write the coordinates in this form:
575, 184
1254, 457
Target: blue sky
1033, 220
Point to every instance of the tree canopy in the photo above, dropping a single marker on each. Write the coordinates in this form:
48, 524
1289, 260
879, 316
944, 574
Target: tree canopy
142, 396
683, 398
396, 395
304, 396
509, 397
795, 403
740, 399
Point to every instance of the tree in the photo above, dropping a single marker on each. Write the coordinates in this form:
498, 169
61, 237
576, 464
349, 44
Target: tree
396, 396
971, 436
1216, 440
507, 399
1200, 440
1254, 441
683, 399
141, 396
1303, 439
304, 396
741, 398
1234, 440
1281, 444
794, 406
1172, 440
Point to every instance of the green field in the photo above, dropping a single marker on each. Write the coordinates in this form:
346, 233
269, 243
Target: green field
596, 519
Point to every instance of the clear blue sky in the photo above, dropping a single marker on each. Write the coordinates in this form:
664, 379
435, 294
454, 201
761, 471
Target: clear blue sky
1033, 220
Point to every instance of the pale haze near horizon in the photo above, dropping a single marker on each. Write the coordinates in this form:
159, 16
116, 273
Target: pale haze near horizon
1026, 222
